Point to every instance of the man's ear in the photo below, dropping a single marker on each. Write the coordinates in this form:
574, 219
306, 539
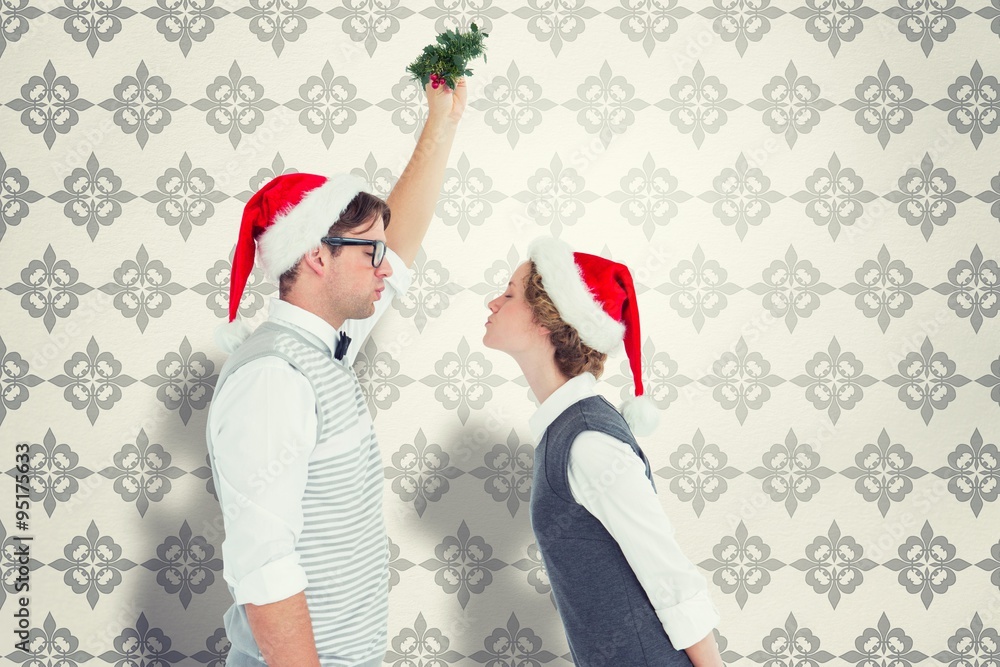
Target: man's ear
315, 261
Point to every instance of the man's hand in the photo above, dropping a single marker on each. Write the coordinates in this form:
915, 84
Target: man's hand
446, 104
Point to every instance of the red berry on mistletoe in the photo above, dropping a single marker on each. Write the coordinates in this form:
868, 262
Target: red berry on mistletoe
444, 62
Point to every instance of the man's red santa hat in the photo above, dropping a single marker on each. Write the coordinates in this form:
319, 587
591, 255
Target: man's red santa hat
282, 221
597, 298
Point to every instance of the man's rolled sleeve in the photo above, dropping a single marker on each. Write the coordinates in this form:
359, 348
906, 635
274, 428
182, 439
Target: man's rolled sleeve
263, 427
402, 275
271, 582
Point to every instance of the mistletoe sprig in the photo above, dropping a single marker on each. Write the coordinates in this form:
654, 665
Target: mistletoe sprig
446, 60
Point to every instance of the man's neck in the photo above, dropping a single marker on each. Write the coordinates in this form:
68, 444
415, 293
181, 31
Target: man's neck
327, 315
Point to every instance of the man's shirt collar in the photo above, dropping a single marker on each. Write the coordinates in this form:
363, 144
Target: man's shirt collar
314, 327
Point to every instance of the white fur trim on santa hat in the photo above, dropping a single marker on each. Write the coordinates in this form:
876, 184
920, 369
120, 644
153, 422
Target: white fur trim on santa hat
641, 414
577, 306
299, 229
231, 335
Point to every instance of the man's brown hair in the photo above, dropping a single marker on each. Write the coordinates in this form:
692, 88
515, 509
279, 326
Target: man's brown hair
573, 356
363, 210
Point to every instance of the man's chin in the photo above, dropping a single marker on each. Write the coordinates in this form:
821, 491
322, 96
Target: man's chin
363, 312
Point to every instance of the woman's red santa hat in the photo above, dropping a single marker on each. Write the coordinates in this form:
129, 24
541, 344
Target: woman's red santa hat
282, 221
597, 298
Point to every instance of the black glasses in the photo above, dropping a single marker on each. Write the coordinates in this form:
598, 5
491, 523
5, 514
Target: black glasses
379, 246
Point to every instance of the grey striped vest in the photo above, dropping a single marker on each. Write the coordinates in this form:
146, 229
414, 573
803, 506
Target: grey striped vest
342, 546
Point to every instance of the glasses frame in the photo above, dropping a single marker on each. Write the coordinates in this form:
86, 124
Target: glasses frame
378, 247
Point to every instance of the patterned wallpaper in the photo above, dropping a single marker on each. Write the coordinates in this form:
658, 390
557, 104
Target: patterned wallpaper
808, 194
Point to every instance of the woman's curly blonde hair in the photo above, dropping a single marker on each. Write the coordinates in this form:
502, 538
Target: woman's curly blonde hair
573, 356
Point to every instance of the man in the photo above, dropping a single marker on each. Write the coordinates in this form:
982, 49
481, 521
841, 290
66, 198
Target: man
293, 452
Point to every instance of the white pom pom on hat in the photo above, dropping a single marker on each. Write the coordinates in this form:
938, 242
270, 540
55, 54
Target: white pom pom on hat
281, 222
231, 335
596, 296
641, 414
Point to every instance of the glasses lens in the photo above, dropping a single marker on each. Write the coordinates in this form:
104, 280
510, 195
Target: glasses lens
379, 254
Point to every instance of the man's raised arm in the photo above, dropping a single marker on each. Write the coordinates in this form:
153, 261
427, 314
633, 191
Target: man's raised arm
415, 195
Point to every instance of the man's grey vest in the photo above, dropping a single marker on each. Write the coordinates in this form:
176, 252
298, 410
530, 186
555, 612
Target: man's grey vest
342, 546
608, 617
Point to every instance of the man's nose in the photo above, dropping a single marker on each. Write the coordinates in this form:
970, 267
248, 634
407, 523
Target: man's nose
384, 269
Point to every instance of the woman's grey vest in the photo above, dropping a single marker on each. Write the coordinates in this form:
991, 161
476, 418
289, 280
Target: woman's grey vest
609, 620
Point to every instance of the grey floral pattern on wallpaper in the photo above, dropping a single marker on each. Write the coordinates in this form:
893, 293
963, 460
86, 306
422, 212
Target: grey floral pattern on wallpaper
142, 104
883, 288
463, 380
698, 472
741, 565
463, 565
927, 564
507, 472
883, 104
185, 196
92, 197
741, 380
93, 380
927, 380
142, 288
378, 373
698, 104
142, 472
972, 472
277, 22
698, 288
467, 197
513, 104
56, 472
49, 288
15, 197
834, 380
884, 472
556, 196
648, 196
807, 190
50, 104
834, 564
791, 472
741, 196
420, 472
834, 196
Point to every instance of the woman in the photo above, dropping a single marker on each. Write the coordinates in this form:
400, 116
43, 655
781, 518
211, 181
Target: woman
626, 593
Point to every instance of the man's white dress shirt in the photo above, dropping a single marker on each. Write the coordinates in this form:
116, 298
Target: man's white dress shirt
273, 417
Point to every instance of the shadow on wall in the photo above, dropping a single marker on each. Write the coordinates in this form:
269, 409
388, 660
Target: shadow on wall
450, 547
